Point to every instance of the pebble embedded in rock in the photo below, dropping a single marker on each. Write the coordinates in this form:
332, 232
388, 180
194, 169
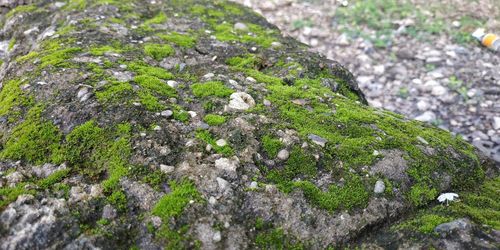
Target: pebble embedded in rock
166, 168
496, 123
172, 84
108, 212
439, 90
379, 187
427, 116
217, 236
241, 101
267, 103
317, 140
283, 154
221, 143
167, 113
240, 27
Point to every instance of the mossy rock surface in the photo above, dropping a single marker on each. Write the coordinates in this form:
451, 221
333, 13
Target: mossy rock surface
196, 124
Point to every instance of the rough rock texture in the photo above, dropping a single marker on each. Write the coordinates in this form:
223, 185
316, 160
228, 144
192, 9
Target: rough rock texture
132, 124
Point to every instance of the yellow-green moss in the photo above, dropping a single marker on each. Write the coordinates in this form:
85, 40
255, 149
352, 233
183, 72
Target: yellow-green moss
33, 140
12, 98
113, 92
22, 9
158, 51
214, 120
271, 145
142, 68
12, 42
212, 88
187, 41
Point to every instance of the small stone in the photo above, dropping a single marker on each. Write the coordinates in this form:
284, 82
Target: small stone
427, 116
209, 75
253, 185
251, 79
192, 114
241, 101
221, 143
283, 154
172, 84
217, 236
496, 123
379, 187
267, 103
167, 113
227, 165
212, 200
156, 220
108, 212
375, 153
317, 140
422, 140
208, 148
300, 102
157, 128
166, 168
423, 105
439, 90
240, 27
276, 44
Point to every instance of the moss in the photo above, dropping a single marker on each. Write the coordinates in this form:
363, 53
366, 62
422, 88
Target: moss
424, 223
181, 115
269, 237
187, 41
55, 53
10, 194
212, 88
113, 92
54, 178
155, 85
12, 42
66, 29
214, 120
173, 204
142, 68
34, 140
271, 145
22, 9
118, 199
74, 5
12, 98
207, 138
158, 51
100, 50
420, 194
115, 156
158, 19
149, 101
81, 144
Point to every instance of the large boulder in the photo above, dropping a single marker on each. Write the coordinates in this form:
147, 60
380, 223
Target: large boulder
195, 124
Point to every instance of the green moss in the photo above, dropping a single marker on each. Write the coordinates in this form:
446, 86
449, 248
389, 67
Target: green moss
424, 223
155, 85
269, 237
34, 140
158, 19
271, 145
420, 194
187, 41
149, 101
119, 200
158, 51
81, 144
142, 68
181, 115
10, 194
113, 92
55, 53
22, 9
74, 5
173, 204
212, 88
66, 29
12, 98
11, 44
214, 120
207, 138
100, 50
115, 156
54, 178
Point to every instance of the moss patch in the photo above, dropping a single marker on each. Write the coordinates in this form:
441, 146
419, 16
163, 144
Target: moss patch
271, 145
12, 98
158, 51
214, 120
187, 41
205, 136
34, 140
213, 88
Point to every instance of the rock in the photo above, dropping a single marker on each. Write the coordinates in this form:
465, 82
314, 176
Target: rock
423, 105
241, 101
496, 123
228, 166
167, 169
427, 116
217, 236
456, 225
240, 27
108, 212
221, 143
379, 187
283, 154
439, 90
317, 140
167, 113
172, 84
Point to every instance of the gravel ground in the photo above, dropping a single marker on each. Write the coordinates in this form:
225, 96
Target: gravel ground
416, 58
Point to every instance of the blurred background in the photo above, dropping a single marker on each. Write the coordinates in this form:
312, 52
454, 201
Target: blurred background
413, 57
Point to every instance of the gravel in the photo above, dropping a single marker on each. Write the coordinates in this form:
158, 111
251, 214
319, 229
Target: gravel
453, 85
